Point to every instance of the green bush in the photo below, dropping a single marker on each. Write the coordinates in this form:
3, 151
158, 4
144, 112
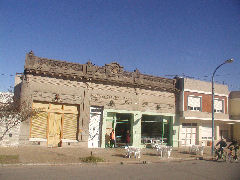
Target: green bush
9, 159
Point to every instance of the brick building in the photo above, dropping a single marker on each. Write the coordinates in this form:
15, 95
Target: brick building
195, 112
79, 104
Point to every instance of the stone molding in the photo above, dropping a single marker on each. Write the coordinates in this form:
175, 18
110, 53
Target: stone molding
110, 73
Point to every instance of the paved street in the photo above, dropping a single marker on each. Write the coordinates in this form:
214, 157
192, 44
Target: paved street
195, 169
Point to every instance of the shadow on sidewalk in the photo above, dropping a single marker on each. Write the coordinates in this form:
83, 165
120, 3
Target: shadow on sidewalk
119, 155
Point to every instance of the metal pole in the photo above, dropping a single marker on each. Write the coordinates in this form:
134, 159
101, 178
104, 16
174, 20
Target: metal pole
227, 61
162, 130
213, 114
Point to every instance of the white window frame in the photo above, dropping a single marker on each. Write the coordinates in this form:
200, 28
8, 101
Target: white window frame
192, 108
219, 111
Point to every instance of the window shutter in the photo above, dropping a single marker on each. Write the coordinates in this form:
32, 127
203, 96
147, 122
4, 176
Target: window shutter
194, 101
70, 126
218, 105
39, 125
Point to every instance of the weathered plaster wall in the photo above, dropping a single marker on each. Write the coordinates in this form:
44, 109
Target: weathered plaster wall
132, 99
12, 136
205, 86
88, 85
234, 104
234, 112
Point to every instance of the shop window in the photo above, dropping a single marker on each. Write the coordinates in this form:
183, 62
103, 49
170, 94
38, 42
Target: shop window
154, 129
218, 105
194, 103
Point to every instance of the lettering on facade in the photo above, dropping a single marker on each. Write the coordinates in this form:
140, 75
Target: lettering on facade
104, 97
47, 96
157, 106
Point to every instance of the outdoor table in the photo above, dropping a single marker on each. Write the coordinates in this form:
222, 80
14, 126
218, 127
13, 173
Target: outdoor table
163, 150
198, 149
131, 150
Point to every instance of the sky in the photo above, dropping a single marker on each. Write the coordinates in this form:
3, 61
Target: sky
158, 37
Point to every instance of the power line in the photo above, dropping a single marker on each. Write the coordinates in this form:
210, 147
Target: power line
3, 74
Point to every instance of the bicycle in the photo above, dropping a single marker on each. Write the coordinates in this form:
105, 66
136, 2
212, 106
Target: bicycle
233, 156
220, 156
230, 156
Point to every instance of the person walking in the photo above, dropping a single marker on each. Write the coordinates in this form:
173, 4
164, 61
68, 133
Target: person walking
128, 138
112, 139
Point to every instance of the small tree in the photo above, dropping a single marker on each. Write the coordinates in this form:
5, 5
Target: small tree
12, 113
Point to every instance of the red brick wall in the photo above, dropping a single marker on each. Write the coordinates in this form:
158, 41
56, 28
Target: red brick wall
206, 101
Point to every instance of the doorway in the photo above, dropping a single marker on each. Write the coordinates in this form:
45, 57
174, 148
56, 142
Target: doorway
123, 126
188, 134
54, 123
95, 127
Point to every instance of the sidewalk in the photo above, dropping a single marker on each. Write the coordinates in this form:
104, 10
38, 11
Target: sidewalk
44, 155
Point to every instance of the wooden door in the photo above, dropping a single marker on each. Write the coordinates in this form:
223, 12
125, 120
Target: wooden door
54, 122
54, 130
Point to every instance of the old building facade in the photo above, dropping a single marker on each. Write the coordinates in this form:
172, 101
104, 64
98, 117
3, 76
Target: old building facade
195, 112
234, 112
80, 104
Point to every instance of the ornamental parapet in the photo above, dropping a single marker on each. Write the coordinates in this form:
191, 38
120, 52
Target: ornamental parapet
111, 73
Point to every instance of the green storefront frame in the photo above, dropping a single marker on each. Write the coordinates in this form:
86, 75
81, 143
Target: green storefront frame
110, 119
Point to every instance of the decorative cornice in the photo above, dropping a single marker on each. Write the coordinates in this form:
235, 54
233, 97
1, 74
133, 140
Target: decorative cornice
112, 73
209, 119
204, 92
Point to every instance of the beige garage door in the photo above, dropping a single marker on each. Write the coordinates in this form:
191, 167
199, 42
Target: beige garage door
54, 122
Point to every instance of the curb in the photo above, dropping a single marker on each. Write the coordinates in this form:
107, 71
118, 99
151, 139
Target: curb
109, 162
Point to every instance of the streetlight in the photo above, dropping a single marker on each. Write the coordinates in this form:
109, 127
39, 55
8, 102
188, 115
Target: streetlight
226, 62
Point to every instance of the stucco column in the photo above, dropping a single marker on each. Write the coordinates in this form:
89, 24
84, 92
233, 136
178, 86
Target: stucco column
136, 130
217, 132
179, 136
175, 131
26, 101
85, 115
103, 129
199, 135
